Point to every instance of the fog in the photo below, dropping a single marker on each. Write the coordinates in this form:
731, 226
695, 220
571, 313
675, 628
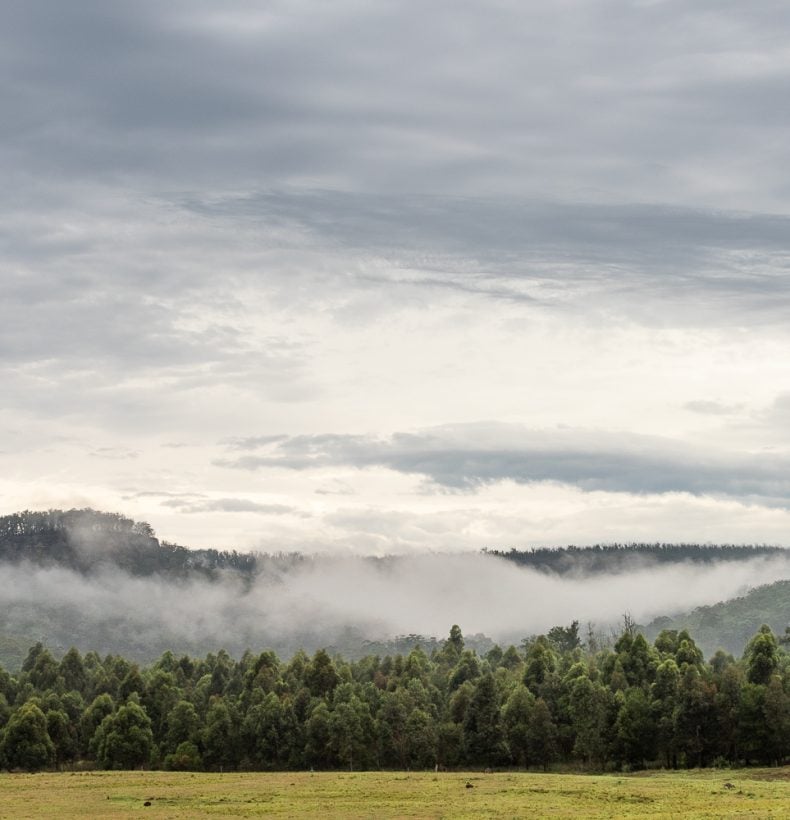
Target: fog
328, 601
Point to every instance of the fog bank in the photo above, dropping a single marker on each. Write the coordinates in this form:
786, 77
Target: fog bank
330, 601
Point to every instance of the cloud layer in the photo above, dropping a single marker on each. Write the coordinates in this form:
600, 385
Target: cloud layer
468, 456
315, 603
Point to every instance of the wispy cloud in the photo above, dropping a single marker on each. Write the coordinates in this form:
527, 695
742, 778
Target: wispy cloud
709, 407
227, 505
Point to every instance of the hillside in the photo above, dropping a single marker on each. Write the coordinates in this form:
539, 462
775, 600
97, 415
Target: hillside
87, 540
729, 624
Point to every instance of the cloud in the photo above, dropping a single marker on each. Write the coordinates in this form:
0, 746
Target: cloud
251, 442
335, 488
505, 227
162, 494
710, 266
114, 453
228, 505
630, 97
708, 407
313, 602
778, 411
466, 456
305, 218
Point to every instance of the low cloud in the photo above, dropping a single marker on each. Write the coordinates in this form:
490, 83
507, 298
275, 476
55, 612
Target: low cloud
467, 456
314, 602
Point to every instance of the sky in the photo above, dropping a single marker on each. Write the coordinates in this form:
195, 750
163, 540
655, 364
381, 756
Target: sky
391, 277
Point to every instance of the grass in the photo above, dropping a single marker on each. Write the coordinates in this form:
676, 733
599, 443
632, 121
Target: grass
697, 794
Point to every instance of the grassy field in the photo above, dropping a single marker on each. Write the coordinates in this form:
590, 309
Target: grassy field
743, 793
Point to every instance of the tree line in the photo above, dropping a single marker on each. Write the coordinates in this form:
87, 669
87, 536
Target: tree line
603, 558
85, 540
552, 700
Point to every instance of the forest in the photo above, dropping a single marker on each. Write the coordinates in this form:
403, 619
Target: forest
557, 700
86, 540
608, 558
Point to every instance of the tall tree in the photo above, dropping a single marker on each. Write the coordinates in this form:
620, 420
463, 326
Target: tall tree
762, 656
320, 676
541, 662
695, 724
663, 693
72, 670
26, 741
125, 739
102, 706
318, 749
482, 723
541, 735
220, 736
776, 708
635, 729
421, 740
182, 725
515, 720
589, 703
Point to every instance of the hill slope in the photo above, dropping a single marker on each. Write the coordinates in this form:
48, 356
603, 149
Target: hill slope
730, 624
87, 540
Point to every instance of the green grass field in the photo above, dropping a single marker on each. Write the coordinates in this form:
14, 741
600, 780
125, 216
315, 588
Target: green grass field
709, 793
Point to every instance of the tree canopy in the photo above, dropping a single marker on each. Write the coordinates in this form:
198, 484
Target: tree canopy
629, 705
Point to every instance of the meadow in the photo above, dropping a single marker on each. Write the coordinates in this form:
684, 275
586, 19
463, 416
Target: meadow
694, 794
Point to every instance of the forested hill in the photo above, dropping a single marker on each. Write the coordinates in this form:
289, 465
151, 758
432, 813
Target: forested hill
729, 624
85, 540
608, 558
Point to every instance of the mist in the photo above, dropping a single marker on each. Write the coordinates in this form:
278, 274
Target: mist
327, 601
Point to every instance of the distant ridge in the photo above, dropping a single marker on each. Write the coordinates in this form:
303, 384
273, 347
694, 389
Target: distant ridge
85, 540
602, 558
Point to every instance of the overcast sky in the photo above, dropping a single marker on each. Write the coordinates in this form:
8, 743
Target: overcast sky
395, 276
